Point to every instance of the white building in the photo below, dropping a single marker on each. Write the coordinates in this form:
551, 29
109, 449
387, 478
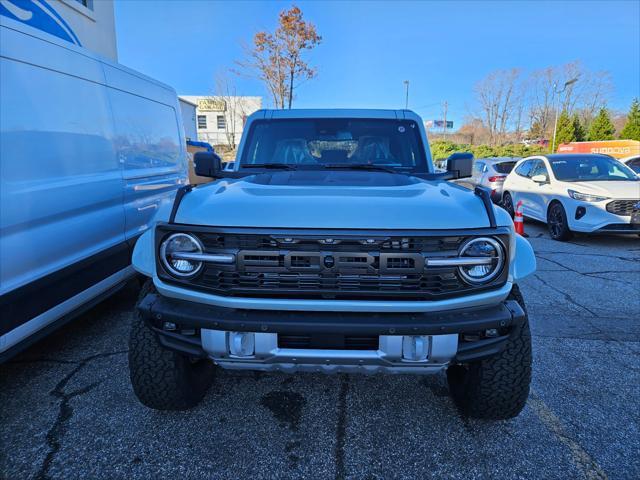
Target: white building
188, 111
86, 23
220, 120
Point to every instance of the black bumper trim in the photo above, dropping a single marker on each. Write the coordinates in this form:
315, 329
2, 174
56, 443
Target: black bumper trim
155, 309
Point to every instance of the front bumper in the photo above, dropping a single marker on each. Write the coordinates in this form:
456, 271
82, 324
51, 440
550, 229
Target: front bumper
208, 331
596, 218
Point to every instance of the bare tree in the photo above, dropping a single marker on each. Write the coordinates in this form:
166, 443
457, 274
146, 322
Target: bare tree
497, 95
234, 106
277, 58
585, 97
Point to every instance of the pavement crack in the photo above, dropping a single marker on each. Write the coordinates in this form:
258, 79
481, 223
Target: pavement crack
590, 274
590, 254
567, 297
341, 428
65, 411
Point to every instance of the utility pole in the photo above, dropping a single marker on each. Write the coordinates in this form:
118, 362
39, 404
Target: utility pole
555, 124
444, 127
406, 100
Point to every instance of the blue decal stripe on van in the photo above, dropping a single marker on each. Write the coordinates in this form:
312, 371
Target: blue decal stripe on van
39, 14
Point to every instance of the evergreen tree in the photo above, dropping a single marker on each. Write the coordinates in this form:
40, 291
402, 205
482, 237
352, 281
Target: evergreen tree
565, 132
631, 130
580, 132
602, 127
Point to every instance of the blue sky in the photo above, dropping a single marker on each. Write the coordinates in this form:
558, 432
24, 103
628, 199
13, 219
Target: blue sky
369, 48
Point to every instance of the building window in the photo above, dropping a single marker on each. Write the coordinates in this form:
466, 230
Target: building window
202, 122
86, 3
222, 124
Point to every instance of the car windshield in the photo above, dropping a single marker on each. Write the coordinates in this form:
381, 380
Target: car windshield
335, 143
503, 167
581, 168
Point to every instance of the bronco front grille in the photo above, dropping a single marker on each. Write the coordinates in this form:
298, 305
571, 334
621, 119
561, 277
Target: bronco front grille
622, 207
330, 264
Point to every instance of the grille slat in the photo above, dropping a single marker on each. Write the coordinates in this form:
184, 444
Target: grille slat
621, 207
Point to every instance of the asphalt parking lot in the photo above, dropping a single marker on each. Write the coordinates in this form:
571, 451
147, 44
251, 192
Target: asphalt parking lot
68, 411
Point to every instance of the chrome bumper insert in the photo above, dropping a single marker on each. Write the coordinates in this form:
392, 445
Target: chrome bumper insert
396, 354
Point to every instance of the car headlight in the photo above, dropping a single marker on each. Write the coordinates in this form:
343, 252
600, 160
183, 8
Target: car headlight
177, 254
485, 258
586, 197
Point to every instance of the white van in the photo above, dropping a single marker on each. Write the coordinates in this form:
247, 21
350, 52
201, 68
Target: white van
89, 150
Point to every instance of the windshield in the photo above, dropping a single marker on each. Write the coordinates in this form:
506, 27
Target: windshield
504, 167
336, 142
589, 168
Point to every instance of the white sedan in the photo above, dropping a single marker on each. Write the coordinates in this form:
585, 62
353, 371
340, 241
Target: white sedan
575, 192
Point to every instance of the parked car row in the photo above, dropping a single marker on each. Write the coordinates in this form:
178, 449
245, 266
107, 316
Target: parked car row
591, 193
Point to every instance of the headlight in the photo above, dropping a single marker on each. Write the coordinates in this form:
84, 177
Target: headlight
486, 258
586, 197
175, 252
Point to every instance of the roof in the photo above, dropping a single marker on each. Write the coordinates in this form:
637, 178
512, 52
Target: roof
499, 159
182, 99
339, 113
572, 156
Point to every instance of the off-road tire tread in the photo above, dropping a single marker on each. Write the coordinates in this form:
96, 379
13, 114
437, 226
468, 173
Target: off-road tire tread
496, 388
162, 379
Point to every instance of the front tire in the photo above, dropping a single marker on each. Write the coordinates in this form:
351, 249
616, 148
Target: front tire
557, 222
162, 379
497, 387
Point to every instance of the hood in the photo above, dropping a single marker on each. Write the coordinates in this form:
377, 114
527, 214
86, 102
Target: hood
333, 199
612, 189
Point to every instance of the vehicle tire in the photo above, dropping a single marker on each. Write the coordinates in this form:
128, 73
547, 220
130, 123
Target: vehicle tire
507, 204
497, 387
557, 222
162, 379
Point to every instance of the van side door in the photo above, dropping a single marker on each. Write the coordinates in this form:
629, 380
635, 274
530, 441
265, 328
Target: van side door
149, 142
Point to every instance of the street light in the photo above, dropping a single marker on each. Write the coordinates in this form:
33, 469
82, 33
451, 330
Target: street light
406, 101
555, 125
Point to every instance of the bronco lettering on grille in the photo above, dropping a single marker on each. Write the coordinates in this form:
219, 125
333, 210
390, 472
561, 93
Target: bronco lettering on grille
330, 262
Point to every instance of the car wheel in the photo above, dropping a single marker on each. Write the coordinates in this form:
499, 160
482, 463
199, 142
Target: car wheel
497, 387
163, 379
557, 222
507, 204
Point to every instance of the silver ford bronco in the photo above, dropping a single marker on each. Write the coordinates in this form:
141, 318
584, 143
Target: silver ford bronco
333, 246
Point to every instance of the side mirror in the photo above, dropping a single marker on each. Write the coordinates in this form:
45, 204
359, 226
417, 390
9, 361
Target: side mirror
460, 164
207, 164
540, 179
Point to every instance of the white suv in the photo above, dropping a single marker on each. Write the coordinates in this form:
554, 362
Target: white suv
575, 192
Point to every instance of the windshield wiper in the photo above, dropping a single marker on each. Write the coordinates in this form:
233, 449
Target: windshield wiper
359, 166
275, 166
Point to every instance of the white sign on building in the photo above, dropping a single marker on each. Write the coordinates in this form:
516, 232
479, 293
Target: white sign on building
220, 120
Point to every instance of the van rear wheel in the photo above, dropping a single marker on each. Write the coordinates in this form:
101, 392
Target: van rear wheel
162, 379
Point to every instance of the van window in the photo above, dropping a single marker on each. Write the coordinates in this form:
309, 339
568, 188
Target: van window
146, 133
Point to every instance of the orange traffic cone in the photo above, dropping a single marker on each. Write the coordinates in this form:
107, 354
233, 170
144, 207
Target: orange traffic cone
518, 222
